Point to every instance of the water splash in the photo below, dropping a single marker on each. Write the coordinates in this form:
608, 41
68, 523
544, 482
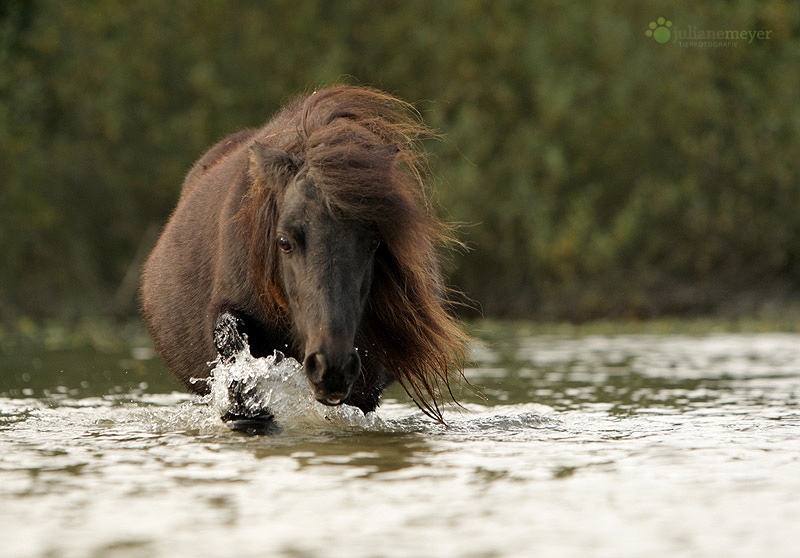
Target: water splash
249, 388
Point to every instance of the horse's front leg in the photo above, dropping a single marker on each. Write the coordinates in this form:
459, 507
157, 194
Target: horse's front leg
230, 339
229, 336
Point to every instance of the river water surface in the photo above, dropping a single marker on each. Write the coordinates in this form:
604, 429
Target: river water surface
613, 445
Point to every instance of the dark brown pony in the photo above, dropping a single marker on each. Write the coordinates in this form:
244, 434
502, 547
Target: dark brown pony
312, 235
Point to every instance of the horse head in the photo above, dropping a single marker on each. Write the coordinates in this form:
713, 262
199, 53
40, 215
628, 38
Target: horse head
342, 246
323, 265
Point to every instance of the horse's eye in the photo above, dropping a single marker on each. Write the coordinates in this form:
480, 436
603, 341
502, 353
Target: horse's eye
284, 244
374, 244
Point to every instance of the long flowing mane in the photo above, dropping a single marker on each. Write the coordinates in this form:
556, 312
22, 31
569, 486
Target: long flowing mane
361, 147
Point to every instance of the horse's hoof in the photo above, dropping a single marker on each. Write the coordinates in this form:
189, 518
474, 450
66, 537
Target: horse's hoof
253, 425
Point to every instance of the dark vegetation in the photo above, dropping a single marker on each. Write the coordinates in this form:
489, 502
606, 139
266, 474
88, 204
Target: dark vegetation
595, 172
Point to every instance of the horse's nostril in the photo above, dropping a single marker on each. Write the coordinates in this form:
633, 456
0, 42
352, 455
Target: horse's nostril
315, 365
354, 364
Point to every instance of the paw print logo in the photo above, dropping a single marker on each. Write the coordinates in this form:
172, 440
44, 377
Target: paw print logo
659, 30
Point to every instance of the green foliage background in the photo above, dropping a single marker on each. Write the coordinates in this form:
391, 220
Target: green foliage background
595, 172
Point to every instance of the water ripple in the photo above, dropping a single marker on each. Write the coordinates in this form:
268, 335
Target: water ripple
612, 446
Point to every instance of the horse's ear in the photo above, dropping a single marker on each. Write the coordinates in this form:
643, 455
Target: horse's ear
272, 164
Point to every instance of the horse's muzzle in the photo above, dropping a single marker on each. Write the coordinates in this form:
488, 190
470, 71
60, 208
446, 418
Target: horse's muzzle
332, 376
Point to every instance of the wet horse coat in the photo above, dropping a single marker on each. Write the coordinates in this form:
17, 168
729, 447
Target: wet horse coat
311, 235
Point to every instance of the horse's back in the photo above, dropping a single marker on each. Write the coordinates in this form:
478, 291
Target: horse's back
217, 154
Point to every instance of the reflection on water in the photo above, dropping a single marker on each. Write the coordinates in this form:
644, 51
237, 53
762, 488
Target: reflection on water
600, 445
628, 374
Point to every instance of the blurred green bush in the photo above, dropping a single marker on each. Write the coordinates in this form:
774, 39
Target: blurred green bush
595, 171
